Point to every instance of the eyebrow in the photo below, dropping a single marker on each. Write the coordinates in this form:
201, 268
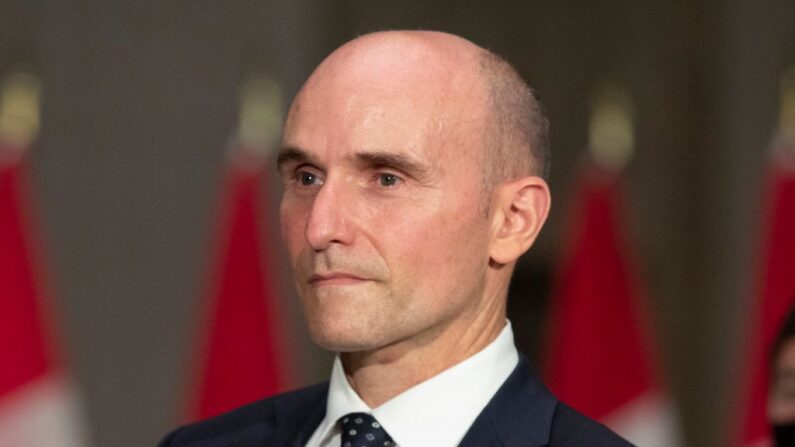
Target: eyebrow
289, 154
392, 160
370, 159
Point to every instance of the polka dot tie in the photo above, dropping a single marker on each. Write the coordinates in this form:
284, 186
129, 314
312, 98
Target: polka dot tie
362, 430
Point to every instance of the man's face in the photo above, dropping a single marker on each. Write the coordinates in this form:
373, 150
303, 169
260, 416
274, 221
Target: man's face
382, 208
781, 400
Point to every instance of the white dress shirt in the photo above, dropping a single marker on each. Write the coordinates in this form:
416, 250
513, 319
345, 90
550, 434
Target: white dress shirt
437, 412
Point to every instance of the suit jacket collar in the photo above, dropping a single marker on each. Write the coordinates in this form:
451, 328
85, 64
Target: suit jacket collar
298, 420
520, 414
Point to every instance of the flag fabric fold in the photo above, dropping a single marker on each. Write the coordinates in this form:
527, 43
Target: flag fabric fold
600, 355
239, 357
776, 296
38, 404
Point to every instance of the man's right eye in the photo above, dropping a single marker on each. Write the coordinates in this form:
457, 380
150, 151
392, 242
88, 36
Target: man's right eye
309, 179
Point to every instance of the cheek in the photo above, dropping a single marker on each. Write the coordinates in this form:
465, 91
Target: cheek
435, 249
292, 223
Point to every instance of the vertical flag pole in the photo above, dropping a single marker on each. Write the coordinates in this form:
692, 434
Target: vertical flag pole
601, 356
38, 404
239, 359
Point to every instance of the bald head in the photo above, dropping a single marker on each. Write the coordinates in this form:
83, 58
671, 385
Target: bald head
481, 98
517, 133
386, 156
394, 55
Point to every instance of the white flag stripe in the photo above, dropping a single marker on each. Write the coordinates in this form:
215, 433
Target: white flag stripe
648, 421
43, 413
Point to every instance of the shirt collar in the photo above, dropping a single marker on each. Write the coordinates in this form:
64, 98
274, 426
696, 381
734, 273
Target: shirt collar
434, 412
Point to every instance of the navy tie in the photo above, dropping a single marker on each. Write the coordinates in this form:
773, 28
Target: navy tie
362, 430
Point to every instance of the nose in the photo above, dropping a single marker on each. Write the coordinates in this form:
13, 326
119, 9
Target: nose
330, 218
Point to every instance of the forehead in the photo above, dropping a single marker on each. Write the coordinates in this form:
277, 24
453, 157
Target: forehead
431, 113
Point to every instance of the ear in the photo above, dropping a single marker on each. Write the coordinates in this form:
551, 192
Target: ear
519, 211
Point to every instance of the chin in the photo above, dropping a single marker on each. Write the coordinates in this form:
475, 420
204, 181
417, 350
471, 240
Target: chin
335, 338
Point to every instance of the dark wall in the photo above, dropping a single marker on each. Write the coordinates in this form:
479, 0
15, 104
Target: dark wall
141, 97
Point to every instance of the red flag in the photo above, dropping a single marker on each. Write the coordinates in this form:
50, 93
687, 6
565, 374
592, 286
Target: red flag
239, 360
37, 404
600, 356
777, 296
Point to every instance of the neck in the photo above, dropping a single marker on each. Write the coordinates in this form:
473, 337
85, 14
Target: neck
379, 375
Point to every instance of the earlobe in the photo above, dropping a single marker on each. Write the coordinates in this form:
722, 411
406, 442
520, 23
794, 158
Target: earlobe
521, 208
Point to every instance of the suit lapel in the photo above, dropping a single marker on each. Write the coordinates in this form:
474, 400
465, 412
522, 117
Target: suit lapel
295, 423
519, 415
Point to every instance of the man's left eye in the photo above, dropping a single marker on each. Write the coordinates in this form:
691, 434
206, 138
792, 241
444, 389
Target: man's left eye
388, 179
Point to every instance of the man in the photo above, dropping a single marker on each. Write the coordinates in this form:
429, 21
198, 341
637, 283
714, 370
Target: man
413, 165
781, 395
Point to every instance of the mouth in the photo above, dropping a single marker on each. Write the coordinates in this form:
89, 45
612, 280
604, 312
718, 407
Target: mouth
335, 279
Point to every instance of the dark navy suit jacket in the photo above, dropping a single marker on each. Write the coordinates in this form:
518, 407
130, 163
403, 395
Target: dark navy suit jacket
523, 413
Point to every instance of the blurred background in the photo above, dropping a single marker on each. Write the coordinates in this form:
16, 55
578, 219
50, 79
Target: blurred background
130, 176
